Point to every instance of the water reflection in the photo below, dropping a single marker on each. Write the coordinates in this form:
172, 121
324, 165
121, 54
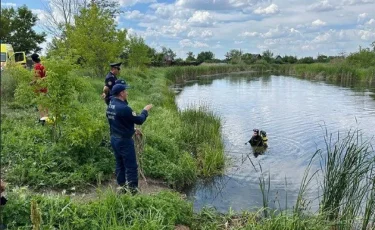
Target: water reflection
295, 114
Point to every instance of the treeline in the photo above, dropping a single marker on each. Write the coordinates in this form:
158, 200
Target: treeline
94, 40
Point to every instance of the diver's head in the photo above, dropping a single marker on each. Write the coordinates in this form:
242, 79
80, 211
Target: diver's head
256, 131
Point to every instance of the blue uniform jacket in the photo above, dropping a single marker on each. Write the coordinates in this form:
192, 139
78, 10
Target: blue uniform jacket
110, 80
121, 118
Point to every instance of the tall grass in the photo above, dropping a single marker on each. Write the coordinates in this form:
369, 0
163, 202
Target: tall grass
201, 135
347, 181
347, 186
182, 74
339, 73
107, 211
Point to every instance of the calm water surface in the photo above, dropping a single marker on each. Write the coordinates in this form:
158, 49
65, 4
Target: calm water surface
295, 114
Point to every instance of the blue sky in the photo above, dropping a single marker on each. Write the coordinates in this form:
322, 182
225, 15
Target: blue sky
286, 27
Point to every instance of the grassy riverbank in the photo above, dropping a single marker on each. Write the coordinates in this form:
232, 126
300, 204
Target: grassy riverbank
338, 73
180, 146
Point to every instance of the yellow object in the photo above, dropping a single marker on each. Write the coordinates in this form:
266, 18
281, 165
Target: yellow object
9, 56
48, 120
51, 120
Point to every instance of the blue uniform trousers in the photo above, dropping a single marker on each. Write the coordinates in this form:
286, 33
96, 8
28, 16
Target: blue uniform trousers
126, 161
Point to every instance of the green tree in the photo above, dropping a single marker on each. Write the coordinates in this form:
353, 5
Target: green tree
364, 58
268, 56
95, 38
289, 59
205, 56
248, 58
190, 56
138, 53
306, 60
234, 56
17, 29
168, 53
322, 58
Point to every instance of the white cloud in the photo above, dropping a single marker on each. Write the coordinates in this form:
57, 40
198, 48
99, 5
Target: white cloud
238, 42
371, 22
322, 38
133, 2
308, 47
41, 14
217, 4
318, 22
322, 6
201, 18
201, 34
362, 17
366, 35
271, 9
249, 34
8, 4
358, 2
135, 14
188, 43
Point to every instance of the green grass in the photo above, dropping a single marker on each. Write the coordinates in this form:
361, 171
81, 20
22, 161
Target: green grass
180, 146
107, 211
78, 151
339, 73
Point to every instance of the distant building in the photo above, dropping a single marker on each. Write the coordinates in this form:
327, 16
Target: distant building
168, 60
278, 58
257, 56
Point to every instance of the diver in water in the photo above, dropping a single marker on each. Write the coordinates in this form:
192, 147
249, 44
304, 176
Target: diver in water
258, 142
259, 139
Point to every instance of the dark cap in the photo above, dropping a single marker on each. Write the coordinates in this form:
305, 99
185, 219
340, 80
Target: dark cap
118, 88
115, 64
256, 130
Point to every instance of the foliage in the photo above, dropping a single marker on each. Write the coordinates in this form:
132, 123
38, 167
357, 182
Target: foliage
11, 78
17, 29
248, 58
205, 56
365, 58
95, 38
109, 211
289, 59
268, 56
234, 56
200, 126
306, 60
66, 153
348, 169
190, 56
322, 59
138, 53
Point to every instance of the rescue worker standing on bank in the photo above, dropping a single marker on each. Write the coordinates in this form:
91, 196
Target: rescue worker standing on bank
110, 80
121, 120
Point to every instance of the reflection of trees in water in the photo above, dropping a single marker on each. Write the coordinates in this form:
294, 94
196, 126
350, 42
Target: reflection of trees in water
233, 79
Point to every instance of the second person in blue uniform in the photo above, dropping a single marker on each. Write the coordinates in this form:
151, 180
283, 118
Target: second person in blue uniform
110, 80
121, 120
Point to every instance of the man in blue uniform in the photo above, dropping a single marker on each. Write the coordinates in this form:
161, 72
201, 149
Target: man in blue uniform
110, 80
121, 120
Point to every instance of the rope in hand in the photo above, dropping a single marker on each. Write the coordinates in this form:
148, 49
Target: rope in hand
139, 147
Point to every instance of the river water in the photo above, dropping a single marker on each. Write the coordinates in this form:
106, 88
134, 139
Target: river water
294, 112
